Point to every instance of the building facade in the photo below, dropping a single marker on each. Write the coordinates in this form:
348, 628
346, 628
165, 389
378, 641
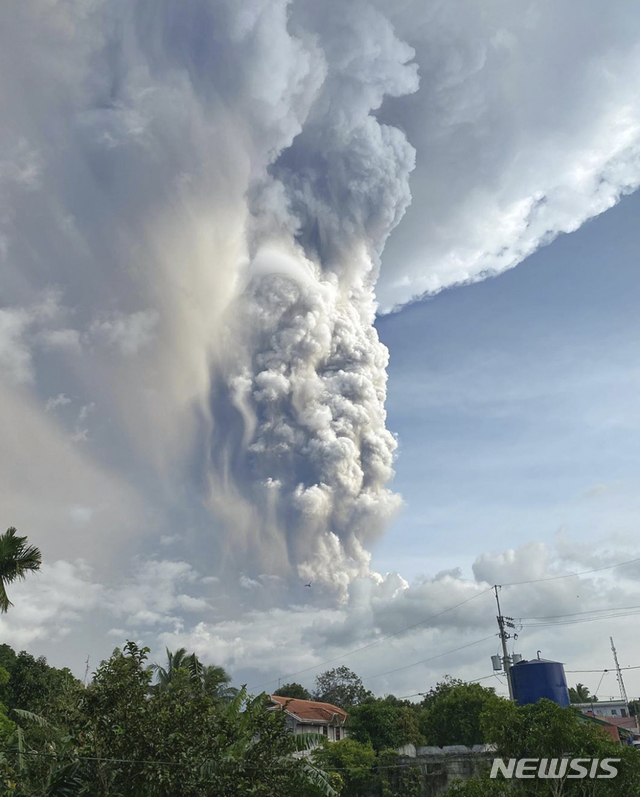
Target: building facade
310, 716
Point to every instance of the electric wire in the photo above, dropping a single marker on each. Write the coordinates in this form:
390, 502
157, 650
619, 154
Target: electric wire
432, 658
570, 575
575, 614
375, 641
182, 764
580, 621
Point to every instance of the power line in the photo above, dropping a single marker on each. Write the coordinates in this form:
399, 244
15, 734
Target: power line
570, 575
375, 642
580, 621
607, 669
575, 614
161, 763
435, 616
422, 694
424, 661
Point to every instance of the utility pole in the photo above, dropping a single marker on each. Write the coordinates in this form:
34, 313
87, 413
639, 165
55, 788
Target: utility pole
503, 623
623, 691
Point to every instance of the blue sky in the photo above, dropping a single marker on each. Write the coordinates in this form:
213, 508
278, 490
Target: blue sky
515, 402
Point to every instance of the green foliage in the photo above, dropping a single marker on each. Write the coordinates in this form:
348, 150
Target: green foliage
393, 780
340, 686
353, 761
453, 712
366, 774
7, 658
580, 694
545, 730
35, 686
441, 689
130, 740
293, 690
384, 725
7, 727
16, 560
211, 680
481, 787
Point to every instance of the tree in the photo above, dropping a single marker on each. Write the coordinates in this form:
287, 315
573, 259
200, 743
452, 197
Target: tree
454, 712
545, 730
442, 688
352, 760
341, 687
44, 690
293, 690
16, 560
180, 660
581, 694
131, 740
210, 679
217, 683
384, 725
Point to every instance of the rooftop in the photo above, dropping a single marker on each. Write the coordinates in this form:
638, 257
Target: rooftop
310, 710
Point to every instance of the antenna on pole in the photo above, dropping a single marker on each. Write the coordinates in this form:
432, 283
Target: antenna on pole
503, 623
623, 691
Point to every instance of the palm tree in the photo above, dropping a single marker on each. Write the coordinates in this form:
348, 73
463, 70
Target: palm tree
216, 682
16, 560
242, 715
211, 679
580, 694
175, 662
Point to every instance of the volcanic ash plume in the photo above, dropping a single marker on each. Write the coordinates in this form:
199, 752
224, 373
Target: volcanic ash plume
300, 452
206, 187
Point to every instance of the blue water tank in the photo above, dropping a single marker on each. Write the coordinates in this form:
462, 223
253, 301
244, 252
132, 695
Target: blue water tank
538, 678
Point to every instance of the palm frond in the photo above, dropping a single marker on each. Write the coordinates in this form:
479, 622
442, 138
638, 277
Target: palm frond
36, 719
5, 603
317, 779
233, 709
16, 560
196, 669
307, 741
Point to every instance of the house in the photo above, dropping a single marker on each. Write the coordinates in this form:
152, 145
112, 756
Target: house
309, 716
615, 712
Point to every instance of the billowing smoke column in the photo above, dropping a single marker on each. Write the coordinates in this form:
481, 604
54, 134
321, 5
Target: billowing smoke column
300, 455
205, 188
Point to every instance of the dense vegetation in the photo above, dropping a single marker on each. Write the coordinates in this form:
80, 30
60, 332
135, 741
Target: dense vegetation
545, 730
122, 735
179, 729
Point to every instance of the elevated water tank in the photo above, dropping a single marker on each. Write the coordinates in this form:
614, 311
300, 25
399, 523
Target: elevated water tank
538, 678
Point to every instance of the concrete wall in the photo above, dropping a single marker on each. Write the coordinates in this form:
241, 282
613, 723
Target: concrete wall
441, 766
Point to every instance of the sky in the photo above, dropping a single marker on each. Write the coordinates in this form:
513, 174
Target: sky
321, 293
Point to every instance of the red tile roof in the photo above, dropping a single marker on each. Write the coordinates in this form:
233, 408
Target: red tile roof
310, 710
621, 722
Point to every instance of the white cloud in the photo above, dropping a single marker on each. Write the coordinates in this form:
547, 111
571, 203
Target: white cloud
129, 333
81, 514
25, 328
66, 339
15, 355
527, 124
56, 401
49, 604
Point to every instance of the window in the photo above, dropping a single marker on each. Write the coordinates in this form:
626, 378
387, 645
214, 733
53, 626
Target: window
325, 730
337, 734
623, 711
614, 712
